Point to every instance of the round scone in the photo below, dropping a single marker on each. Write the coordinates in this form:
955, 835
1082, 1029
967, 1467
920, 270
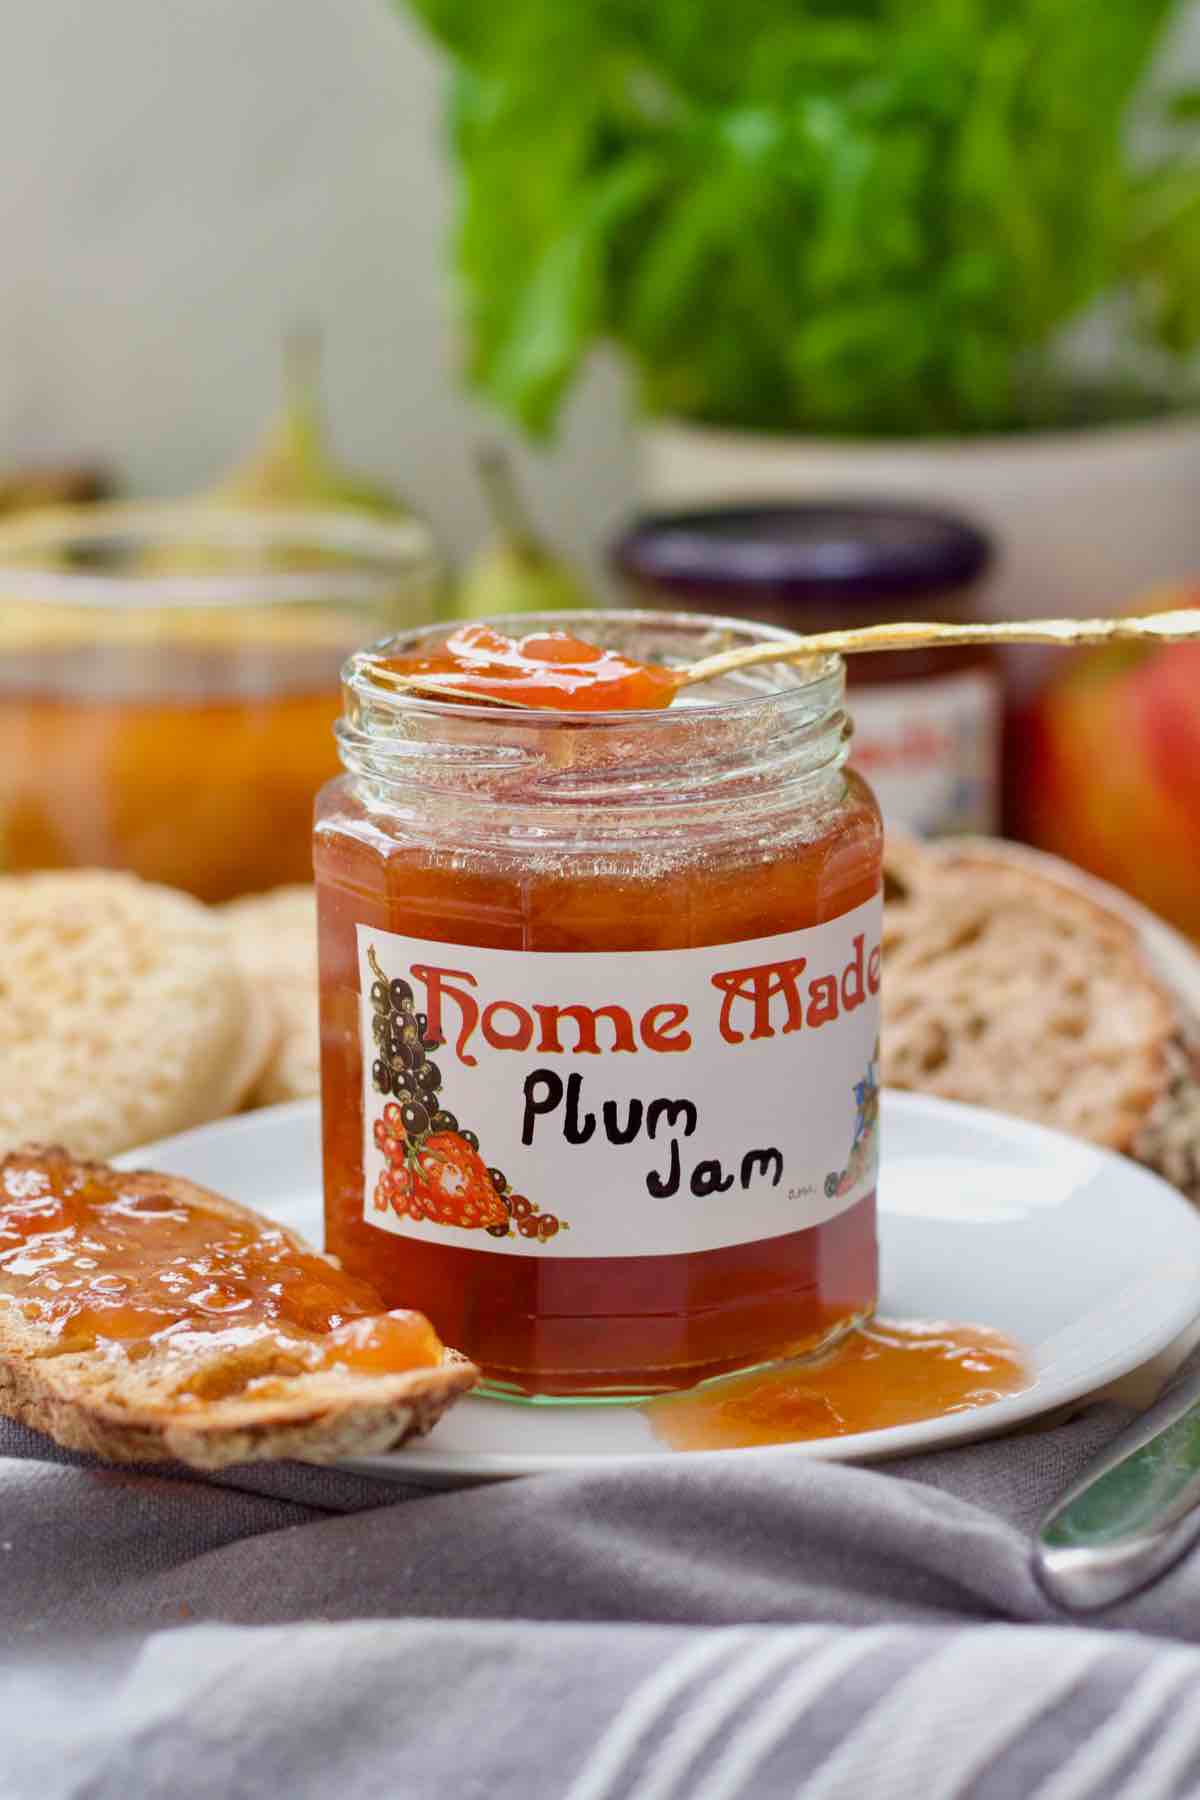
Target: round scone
275, 944
123, 1016
1008, 989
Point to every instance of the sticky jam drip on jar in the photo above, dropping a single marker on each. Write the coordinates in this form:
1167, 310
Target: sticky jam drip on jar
93, 1257
548, 669
890, 1372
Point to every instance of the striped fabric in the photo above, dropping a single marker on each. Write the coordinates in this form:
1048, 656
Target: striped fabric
767, 1628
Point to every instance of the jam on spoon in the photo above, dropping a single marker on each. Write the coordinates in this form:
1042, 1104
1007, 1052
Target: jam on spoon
546, 669
554, 669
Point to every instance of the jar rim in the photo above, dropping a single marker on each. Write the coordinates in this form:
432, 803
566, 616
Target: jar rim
378, 552
542, 775
788, 689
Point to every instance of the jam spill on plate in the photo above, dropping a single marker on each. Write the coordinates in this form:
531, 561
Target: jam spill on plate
890, 1372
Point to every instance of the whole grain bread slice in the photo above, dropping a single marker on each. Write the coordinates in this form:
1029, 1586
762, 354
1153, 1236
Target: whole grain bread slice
1008, 989
184, 1398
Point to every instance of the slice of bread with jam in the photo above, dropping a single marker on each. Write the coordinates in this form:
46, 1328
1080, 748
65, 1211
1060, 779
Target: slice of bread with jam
145, 1319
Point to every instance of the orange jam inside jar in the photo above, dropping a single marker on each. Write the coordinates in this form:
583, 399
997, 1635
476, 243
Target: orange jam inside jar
599, 1016
169, 682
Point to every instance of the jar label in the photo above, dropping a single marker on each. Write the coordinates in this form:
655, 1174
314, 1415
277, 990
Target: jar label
931, 751
612, 1104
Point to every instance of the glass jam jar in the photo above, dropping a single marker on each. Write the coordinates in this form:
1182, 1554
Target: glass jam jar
927, 724
599, 1018
169, 682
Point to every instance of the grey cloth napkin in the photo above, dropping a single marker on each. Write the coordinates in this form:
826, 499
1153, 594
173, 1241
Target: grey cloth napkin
682, 1631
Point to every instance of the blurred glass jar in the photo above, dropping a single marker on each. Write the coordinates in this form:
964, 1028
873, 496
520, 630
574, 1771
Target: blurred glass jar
169, 682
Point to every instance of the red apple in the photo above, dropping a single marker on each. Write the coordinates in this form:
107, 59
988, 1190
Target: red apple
1113, 770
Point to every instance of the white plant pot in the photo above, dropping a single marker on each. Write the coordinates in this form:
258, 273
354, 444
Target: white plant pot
1082, 521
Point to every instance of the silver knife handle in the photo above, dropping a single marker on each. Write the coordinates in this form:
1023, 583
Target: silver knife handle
1134, 1513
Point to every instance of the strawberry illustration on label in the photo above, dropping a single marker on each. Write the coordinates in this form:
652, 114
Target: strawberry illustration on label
454, 1185
435, 1171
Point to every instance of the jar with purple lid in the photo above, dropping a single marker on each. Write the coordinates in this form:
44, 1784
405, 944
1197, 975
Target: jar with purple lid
927, 723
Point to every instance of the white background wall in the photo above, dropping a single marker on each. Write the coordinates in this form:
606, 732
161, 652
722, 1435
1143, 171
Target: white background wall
178, 179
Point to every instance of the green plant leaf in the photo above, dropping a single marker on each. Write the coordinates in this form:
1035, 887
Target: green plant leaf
561, 306
1164, 257
826, 215
1184, 106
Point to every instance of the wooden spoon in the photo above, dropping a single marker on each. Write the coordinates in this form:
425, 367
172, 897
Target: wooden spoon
1178, 627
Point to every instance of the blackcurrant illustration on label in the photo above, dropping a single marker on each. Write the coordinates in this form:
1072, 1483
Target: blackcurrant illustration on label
434, 1170
415, 1118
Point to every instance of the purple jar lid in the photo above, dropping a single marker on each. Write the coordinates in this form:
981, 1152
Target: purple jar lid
803, 552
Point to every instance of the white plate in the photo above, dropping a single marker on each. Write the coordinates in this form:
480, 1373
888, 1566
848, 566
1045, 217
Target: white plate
1085, 1259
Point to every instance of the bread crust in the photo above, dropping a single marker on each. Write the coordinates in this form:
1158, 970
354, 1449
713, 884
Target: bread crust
99, 1401
1169, 1141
